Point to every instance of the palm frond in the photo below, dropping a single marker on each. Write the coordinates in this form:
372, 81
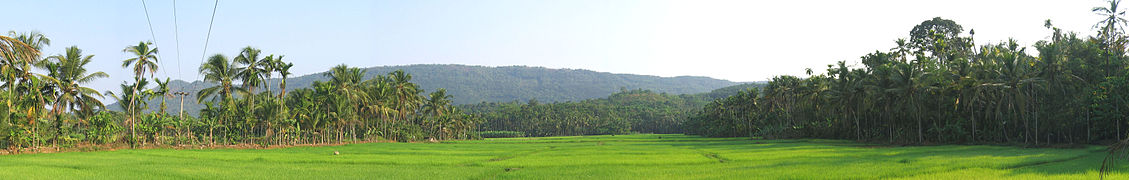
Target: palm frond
1118, 153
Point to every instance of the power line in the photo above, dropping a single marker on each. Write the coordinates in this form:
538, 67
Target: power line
176, 33
207, 39
153, 34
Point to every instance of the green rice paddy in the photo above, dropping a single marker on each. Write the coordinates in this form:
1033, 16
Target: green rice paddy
647, 156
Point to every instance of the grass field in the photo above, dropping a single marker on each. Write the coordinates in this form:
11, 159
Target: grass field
589, 157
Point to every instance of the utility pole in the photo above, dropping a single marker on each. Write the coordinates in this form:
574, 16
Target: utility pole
182, 95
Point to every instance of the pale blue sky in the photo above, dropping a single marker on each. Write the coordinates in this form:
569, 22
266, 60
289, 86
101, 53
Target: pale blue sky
725, 39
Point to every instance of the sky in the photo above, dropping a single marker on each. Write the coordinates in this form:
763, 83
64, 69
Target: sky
734, 40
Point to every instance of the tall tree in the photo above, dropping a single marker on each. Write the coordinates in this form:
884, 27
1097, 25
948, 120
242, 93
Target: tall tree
405, 93
144, 60
218, 69
1111, 33
1113, 22
25, 88
162, 90
345, 81
67, 73
251, 72
13, 53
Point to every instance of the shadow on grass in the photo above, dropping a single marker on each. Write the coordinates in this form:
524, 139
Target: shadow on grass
1088, 163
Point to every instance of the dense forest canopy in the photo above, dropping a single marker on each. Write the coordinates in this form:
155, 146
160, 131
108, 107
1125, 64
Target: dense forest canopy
940, 87
628, 111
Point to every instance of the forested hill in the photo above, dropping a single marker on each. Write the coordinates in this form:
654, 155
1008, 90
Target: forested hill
473, 84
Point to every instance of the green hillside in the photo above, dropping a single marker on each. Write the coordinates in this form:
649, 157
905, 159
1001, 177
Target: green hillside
474, 84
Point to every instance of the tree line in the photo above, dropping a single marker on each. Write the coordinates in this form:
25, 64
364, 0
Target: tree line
938, 86
47, 103
628, 111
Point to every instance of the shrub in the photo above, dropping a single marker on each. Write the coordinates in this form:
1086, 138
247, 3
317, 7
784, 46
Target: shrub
103, 128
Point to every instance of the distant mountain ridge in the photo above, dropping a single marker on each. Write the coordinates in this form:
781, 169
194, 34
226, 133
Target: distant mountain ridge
473, 84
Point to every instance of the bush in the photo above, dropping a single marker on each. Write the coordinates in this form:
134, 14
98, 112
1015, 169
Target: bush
71, 139
406, 132
103, 128
500, 134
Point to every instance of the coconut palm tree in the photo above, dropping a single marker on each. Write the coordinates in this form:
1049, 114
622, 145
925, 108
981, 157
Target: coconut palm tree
145, 60
251, 72
251, 75
1114, 21
1112, 26
907, 88
67, 73
404, 92
12, 49
346, 82
21, 52
25, 89
13, 53
379, 104
437, 102
218, 69
437, 107
127, 93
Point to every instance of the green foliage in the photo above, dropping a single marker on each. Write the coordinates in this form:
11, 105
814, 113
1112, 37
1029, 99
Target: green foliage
941, 88
103, 128
628, 111
346, 108
1110, 104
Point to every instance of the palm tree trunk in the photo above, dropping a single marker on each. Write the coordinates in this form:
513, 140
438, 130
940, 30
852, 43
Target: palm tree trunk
133, 114
58, 126
920, 134
1003, 126
973, 117
132, 123
890, 126
937, 122
1034, 112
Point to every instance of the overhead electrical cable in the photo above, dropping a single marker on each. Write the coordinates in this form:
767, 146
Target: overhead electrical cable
176, 34
207, 39
153, 34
